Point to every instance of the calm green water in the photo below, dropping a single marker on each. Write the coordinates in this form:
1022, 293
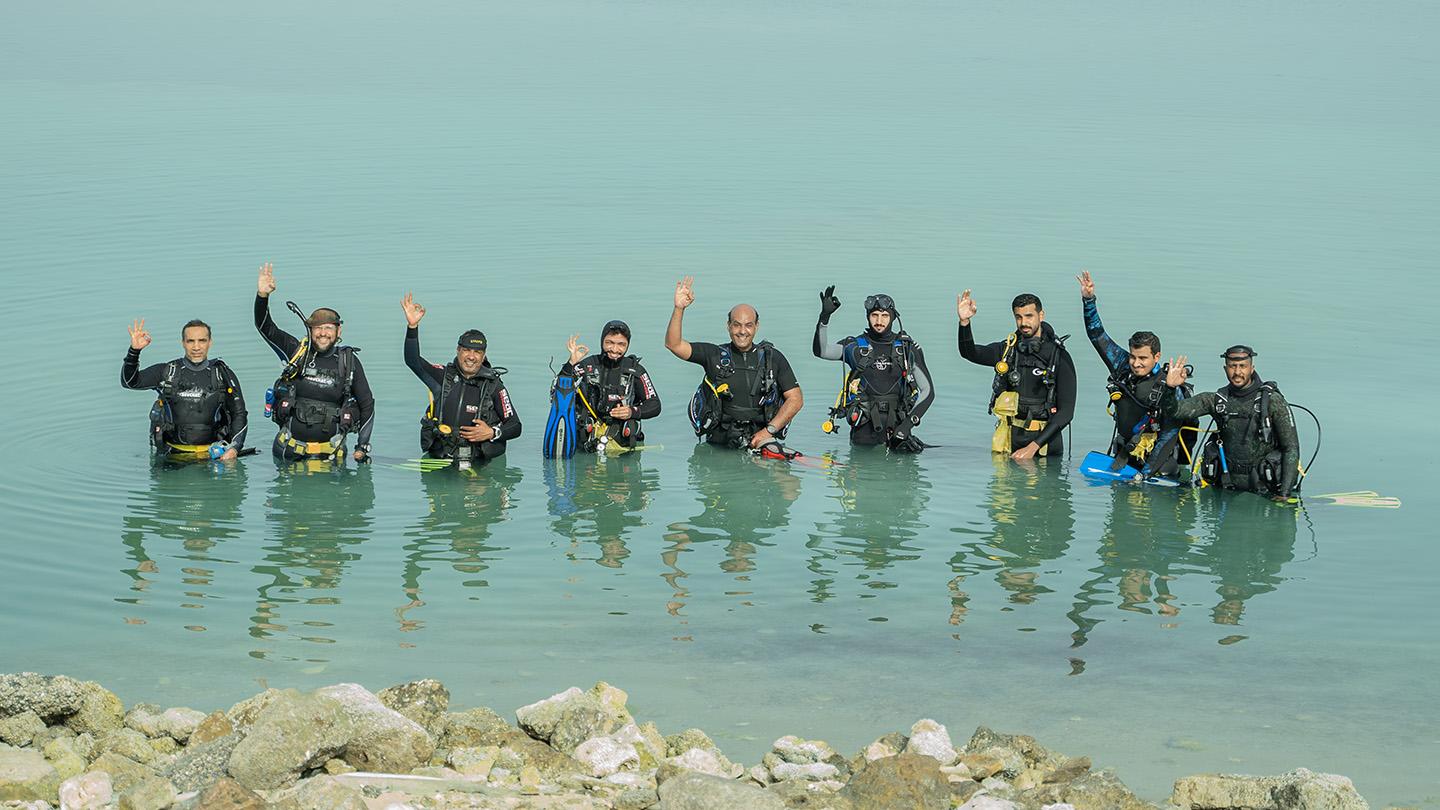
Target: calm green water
1230, 172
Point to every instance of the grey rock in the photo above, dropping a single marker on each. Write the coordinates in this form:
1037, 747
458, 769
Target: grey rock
636, 798
518, 747
244, 713
124, 772
87, 791
202, 764
381, 739
26, 776
425, 702
151, 793
227, 794
43, 738
689, 790
293, 733
180, 723
98, 712
1298, 790
676, 744
163, 747
810, 796
144, 718
50, 696
127, 743
20, 729
906, 780
62, 755
475, 762
1100, 790
475, 728
571, 717
320, 792
1018, 751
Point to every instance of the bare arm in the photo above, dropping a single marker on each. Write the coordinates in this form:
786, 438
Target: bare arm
674, 337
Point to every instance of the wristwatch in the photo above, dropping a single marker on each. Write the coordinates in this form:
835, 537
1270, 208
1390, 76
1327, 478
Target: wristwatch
495, 434
772, 430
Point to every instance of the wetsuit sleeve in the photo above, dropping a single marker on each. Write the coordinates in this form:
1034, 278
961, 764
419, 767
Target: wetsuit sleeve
647, 403
133, 378
1064, 400
926, 390
702, 354
427, 372
235, 406
1283, 422
824, 348
1176, 407
784, 375
1114, 356
365, 399
1170, 429
281, 342
987, 355
509, 426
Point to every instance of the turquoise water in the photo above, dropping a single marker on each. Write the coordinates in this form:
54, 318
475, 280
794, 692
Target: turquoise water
1229, 172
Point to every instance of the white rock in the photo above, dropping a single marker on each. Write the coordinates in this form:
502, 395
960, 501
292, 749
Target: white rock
810, 772
701, 760
879, 750
1060, 806
760, 774
933, 740
603, 756
984, 802
802, 752
179, 724
88, 791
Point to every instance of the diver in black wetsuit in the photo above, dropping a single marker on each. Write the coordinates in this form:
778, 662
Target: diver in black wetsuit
199, 400
322, 396
615, 389
470, 415
888, 387
1034, 388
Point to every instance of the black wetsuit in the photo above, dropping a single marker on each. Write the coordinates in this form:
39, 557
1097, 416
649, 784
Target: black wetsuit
757, 380
459, 401
204, 400
1043, 398
887, 365
606, 384
319, 389
1256, 431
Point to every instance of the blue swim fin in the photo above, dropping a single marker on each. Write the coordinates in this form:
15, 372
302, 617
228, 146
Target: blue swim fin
1102, 467
560, 424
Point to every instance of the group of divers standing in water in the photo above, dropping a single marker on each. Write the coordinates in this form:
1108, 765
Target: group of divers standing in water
746, 400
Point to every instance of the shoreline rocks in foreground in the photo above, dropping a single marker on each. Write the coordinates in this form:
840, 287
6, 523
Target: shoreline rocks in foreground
73, 744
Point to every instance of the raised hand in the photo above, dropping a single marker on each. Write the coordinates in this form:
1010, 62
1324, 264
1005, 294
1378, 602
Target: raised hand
266, 283
828, 304
685, 292
139, 338
578, 350
965, 307
1087, 284
413, 311
1177, 374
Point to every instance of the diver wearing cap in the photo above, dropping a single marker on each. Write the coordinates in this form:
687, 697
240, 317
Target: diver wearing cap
199, 411
322, 396
1255, 447
615, 391
1144, 437
470, 415
749, 393
887, 388
1033, 392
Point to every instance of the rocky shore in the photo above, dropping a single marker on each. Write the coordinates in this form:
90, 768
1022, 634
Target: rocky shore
72, 744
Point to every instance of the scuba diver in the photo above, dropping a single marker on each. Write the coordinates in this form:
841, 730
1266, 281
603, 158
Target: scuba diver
470, 417
1144, 438
322, 395
615, 394
887, 388
1255, 447
1033, 393
749, 394
199, 412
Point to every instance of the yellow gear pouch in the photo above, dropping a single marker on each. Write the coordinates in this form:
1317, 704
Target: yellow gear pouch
1007, 405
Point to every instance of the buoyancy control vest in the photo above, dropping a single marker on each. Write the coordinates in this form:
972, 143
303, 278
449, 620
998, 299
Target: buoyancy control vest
1029, 368
313, 399
191, 411
732, 394
882, 387
602, 387
462, 400
1244, 439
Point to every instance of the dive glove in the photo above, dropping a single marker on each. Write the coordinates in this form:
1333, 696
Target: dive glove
828, 304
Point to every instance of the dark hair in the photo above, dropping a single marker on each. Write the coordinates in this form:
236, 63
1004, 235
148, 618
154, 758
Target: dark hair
1025, 300
1145, 339
194, 322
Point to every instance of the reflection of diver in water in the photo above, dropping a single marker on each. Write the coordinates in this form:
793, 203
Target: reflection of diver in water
746, 500
1145, 546
1251, 540
188, 509
601, 499
882, 499
464, 506
1032, 521
319, 514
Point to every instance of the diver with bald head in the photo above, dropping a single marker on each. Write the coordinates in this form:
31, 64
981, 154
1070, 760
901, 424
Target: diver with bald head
322, 396
887, 388
749, 394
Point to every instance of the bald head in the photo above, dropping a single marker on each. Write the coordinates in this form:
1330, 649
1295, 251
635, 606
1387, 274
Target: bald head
742, 322
743, 312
